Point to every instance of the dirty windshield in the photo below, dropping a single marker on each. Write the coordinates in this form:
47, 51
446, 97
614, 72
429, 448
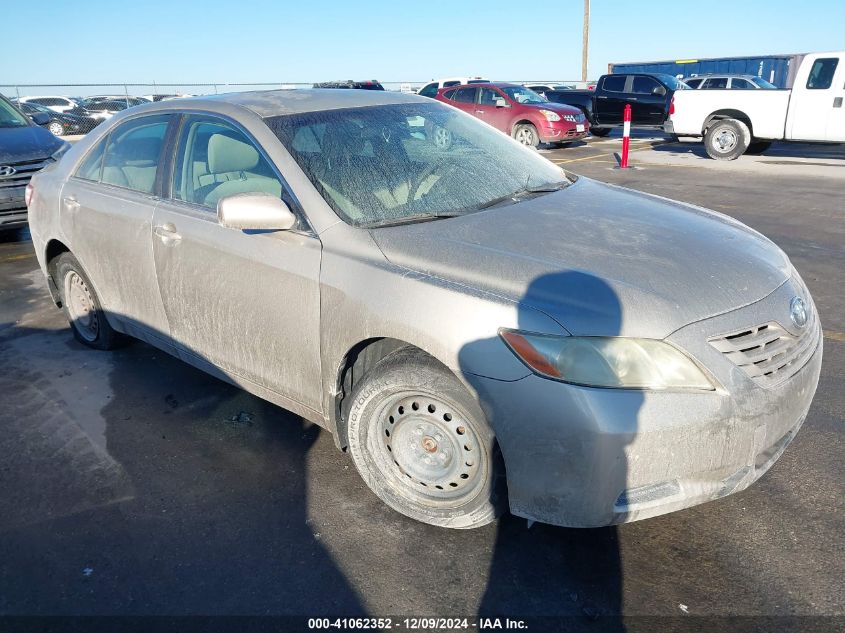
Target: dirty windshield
383, 165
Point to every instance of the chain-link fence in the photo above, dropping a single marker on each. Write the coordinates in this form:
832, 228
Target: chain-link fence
75, 109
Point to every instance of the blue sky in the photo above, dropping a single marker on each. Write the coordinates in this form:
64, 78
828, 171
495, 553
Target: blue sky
58, 41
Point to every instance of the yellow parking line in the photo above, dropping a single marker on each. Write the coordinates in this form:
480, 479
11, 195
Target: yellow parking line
834, 336
17, 258
576, 160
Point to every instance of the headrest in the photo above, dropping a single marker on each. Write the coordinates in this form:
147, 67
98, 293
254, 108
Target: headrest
137, 150
226, 154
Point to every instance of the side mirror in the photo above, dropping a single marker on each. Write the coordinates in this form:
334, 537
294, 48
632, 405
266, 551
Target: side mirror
501, 103
40, 118
257, 211
658, 90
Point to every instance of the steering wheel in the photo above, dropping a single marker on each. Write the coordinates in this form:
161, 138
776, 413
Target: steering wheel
447, 168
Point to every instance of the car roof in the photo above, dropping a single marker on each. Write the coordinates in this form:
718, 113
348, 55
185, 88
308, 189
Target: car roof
267, 103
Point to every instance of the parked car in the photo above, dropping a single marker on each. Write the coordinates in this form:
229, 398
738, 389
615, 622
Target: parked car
735, 122
461, 317
25, 147
650, 97
542, 89
160, 96
370, 84
61, 123
519, 112
431, 89
728, 82
57, 104
105, 108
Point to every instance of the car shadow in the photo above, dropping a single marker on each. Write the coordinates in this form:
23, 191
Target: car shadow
545, 570
777, 150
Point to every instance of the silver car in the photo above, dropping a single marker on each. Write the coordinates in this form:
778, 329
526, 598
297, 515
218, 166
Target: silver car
471, 322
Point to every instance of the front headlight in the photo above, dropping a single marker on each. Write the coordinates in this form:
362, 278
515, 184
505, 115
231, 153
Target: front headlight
550, 116
65, 146
605, 361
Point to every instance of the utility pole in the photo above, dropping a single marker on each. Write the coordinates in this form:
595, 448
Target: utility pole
586, 40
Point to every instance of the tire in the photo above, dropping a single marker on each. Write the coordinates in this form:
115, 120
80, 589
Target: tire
726, 139
422, 445
56, 128
82, 307
758, 147
600, 131
526, 134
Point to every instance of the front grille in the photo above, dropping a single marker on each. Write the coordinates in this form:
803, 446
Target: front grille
23, 172
767, 353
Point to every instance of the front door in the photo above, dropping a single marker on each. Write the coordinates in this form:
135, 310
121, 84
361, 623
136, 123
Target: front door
243, 301
816, 105
648, 101
493, 108
610, 102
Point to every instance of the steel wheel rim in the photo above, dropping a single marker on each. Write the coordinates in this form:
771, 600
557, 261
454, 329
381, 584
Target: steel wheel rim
442, 137
725, 140
56, 129
80, 306
426, 449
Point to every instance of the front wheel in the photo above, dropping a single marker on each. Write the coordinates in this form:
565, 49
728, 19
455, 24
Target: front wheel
727, 139
421, 443
600, 131
526, 134
82, 306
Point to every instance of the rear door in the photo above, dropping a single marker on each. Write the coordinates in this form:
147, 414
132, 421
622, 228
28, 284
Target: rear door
463, 98
107, 209
610, 102
816, 108
244, 301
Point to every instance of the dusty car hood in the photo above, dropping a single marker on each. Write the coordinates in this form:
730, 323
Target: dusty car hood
600, 260
21, 144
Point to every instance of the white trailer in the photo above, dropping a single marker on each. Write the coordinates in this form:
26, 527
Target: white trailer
733, 122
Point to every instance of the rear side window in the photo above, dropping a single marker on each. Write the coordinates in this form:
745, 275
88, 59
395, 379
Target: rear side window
614, 83
464, 95
92, 165
132, 155
821, 74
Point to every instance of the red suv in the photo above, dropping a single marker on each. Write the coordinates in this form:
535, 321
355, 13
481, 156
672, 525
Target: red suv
518, 111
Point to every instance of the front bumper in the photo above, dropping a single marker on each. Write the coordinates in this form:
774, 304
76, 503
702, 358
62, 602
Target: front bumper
588, 457
13, 213
559, 131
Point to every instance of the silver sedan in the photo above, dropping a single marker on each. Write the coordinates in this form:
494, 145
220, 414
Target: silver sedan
471, 322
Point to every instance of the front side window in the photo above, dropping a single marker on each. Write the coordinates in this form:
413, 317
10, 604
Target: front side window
403, 163
133, 151
716, 83
91, 167
737, 83
10, 117
614, 83
762, 83
215, 160
428, 91
489, 97
523, 95
821, 74
644, 85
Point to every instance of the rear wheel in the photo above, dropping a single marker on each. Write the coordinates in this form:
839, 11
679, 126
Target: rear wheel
82, 306
526, 134
421, 443
758, 147
600, 131
726, 139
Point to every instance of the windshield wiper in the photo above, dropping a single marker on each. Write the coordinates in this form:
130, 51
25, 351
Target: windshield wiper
523, 193
410, 219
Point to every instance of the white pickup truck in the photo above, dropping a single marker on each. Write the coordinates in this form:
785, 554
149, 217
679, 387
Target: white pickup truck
734, 122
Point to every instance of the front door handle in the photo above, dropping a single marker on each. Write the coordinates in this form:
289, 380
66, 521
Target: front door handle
167, 233
71, 203
479, 111
837, 102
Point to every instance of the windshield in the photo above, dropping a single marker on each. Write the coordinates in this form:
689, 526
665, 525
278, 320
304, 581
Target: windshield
763, 83
520, 94
10, 117
382, 164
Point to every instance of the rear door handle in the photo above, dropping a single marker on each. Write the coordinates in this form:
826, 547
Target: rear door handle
167, 233
71, 203
837, 102
601, 97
